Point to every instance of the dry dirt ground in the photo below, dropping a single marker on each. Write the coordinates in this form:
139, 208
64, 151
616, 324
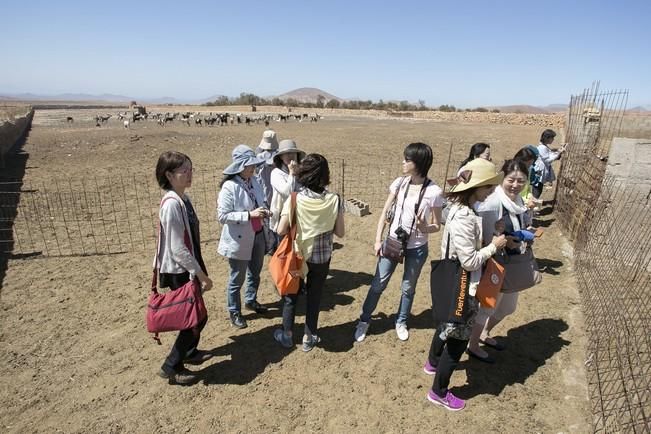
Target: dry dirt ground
76, 356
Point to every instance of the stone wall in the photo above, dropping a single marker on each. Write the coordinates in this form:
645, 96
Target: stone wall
13, 127
629, 161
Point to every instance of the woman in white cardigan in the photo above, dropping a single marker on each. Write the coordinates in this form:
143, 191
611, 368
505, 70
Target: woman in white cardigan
283, 178
463, 229
179, 258
242, 210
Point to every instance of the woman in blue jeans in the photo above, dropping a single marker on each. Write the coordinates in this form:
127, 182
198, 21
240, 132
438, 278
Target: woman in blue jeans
414, 203
242, 210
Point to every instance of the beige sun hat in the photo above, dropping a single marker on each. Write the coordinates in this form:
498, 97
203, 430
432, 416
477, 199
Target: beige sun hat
285, 147
477, 173
269, 141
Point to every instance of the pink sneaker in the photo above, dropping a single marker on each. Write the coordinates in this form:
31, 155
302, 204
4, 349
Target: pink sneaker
450, 401
429, 369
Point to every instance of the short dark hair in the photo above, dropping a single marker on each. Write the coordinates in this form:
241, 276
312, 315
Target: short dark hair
421, 155
314, 172
546, 136
462, 197
513, 166
169, 161
525, 154
278, 162
475, 151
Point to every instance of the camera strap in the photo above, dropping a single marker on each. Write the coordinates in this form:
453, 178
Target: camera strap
402, 205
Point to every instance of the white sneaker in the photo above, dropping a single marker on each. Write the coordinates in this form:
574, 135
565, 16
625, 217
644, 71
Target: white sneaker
360, 331
402, 332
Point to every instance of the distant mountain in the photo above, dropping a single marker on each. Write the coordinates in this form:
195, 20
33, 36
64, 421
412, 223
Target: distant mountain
309, 94
69, 97
640, 109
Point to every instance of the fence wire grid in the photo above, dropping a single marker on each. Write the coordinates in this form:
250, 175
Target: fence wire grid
607, 219
94, 216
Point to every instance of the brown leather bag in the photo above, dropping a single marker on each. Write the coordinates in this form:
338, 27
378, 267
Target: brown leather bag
393, 249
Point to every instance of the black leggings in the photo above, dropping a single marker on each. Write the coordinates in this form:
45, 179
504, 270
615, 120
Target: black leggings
445, 356
187, 340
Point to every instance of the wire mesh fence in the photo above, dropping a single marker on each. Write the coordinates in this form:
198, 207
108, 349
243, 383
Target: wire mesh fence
117, 214
607, 218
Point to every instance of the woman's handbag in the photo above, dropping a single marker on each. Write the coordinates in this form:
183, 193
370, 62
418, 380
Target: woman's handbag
449, 283
490, 283
393, 249
285, 266
521, 271
180, 309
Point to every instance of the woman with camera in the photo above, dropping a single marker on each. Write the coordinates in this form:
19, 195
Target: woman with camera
242, 210
413, 211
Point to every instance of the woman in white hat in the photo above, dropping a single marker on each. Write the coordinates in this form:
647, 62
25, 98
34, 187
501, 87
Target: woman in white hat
463, 229
241, 211
266, 151
283, 177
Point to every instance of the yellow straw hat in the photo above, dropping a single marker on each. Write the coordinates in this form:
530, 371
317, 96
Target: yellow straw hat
477, 173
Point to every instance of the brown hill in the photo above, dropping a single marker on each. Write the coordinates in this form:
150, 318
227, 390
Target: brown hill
308, 94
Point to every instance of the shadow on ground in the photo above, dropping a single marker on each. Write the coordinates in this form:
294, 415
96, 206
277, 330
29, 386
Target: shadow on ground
529, 347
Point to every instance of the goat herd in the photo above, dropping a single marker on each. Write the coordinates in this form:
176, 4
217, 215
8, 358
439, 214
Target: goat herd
201, 119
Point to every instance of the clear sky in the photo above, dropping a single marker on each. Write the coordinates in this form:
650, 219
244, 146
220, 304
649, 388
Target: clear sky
467, 53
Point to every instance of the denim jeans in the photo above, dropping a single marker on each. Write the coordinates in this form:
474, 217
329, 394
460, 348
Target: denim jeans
316, 277
414, 261
250, 270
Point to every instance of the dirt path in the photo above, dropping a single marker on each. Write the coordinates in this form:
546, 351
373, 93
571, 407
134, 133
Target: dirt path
76, 358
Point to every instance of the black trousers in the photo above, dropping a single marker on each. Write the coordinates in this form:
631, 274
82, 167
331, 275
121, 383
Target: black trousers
316, 276
536, 190
187, 340
445, 356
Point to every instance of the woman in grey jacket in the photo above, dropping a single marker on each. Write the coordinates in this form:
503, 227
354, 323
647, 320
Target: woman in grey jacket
179, 258
243, 211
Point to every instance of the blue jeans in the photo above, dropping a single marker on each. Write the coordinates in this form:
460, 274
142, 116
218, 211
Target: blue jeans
414, 261
250, 270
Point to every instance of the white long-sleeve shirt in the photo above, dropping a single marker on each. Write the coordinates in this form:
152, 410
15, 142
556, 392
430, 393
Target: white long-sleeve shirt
283, 184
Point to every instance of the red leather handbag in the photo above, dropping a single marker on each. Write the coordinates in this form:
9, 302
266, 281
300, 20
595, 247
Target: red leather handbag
180, 309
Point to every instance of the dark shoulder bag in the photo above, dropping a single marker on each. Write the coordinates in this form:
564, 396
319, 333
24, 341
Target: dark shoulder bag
449, 283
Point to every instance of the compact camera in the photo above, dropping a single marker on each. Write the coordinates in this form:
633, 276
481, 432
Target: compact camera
402, 235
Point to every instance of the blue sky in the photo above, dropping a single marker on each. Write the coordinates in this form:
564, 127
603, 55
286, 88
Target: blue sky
468, 53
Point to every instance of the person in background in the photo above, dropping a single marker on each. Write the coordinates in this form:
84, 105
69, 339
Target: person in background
179, 259
546, 157
266, 151
242, 212
463, 229
417, 214
478, 150
528, 155
319, 215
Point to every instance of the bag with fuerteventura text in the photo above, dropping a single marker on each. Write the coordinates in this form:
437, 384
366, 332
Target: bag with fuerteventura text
449, 283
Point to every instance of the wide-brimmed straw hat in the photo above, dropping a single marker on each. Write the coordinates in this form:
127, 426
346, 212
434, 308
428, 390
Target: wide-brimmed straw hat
477, 173
243, 156
269, 141
285, 147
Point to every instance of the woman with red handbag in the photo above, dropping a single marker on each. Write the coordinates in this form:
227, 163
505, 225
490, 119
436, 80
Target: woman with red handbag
319, 215
179, 258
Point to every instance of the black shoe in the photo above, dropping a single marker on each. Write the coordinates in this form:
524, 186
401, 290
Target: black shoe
255, 307
198, 357
487, 359
182, 377
237, 320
